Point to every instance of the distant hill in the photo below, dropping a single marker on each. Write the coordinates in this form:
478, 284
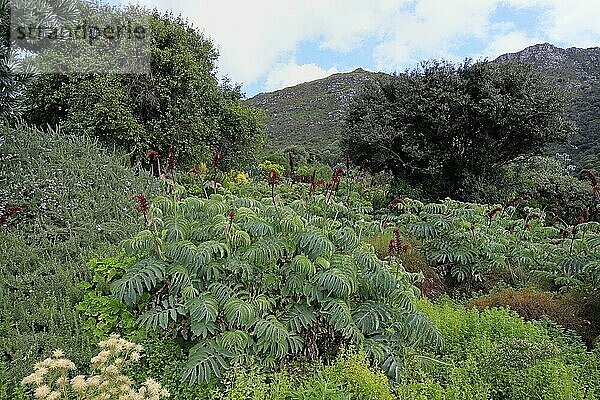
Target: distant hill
311, 114
578, 71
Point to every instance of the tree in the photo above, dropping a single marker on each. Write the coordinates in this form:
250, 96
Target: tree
15, 74
443, 123
179, 106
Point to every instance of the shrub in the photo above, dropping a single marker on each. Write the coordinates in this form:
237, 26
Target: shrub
77, 200
52, 379
531, 305
349, 377
248, 282
496, 354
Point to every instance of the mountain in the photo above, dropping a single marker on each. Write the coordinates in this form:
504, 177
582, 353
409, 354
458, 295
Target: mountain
311, 114
578, 71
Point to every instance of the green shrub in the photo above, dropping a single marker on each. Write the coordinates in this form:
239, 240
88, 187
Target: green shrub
165, 358
496, 354
531, 305
349, 377
105, 314
248, 282
77, 200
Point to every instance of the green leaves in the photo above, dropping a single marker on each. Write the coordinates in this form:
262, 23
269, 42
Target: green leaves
206, 363
264, 286
142, 276
203, 312
439, 126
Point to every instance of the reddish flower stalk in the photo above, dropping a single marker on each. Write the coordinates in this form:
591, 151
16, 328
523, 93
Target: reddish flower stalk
273, 179
216, 163
392, 250
152, 155
170, 163
491, 214
335, 182
217, 160
591, 176
142, 207
9, 212
362, 168
395, 202
231, 217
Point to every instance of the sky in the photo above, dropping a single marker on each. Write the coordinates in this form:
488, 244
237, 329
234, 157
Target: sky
267, 45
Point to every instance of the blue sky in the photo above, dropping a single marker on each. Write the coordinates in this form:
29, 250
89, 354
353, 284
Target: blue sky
270, 44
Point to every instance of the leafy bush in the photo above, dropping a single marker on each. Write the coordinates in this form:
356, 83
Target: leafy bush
164, 358
249, 282
77, 200
495, 354
476, 246
542, 179
179, 106
349, 377
105, 314
531, 304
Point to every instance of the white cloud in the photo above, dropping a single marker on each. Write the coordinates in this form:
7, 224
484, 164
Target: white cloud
258, 40
290, 74
431, 30
510, 42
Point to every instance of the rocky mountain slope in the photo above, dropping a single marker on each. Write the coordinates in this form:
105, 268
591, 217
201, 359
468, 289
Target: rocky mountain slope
578, 71
311, 114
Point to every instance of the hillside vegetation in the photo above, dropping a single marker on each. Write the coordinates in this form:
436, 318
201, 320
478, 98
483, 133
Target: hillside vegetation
291, 110
149, 250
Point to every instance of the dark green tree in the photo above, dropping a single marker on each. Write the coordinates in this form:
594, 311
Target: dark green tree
15, 73
440, 125
178, 106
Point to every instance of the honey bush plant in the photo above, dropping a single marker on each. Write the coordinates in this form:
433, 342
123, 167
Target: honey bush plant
248, 282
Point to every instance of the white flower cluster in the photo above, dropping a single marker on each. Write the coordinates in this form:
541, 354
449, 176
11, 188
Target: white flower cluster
50, 379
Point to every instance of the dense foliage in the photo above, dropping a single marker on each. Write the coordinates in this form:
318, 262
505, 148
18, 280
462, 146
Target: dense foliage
63, 200
178, 107
250, 281
473, 242
15, 74
445, 123
291, 279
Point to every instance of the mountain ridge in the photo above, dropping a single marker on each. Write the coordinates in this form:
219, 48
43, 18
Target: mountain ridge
311, 114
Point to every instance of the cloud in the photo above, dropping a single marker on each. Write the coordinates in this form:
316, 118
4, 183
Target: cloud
510, 42
432, 30
259, 40
290, 74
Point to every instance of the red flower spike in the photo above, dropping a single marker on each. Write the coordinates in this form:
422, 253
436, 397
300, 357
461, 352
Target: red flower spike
591, 176
142, 203
273, 177
9, 212
152, 155
170, 162
491, 214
